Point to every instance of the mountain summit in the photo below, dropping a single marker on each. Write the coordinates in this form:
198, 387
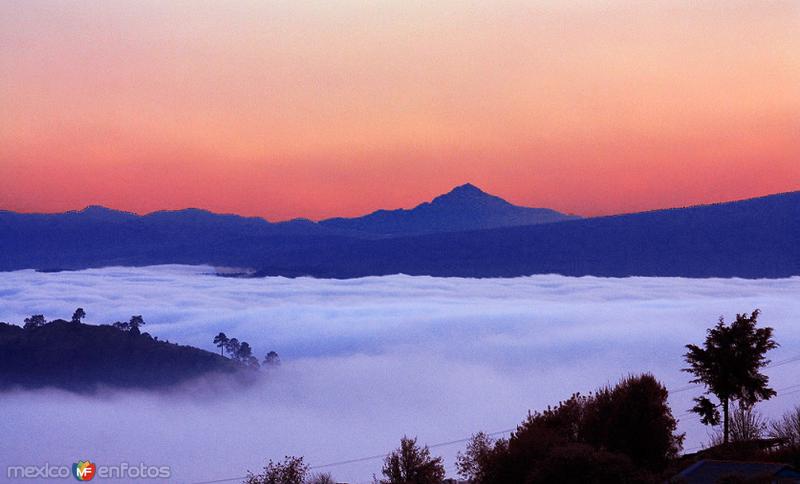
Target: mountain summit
465, 207
467, 195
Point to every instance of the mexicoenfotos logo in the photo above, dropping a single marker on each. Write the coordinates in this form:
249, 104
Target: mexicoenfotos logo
84, 470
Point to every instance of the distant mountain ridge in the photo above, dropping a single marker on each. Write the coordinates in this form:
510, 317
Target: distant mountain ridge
752, 238
466, 207
755, 238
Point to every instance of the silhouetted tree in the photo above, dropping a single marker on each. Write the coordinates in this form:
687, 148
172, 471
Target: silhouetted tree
583, 463
78, 315
34, 321
728, 365
321, 478
245, 355
787, 429
633, 418
411, 464
536, 438
244, 352
628, 428
232, 347
473, 464
135, 323
747, 424
221, 340
122, 326
272, 359
291, 471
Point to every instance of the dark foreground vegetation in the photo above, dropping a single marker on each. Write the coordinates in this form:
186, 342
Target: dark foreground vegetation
625, 433
81, 358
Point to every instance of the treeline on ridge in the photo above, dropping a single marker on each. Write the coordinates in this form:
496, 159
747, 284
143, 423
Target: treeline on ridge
79, 357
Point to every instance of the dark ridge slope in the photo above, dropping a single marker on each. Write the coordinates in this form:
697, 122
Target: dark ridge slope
80, 357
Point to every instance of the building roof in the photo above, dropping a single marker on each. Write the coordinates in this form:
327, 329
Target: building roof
709, 471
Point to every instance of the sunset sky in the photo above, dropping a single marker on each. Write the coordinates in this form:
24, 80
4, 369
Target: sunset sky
295, 108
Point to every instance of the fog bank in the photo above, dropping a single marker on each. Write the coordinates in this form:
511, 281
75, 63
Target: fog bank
368, 360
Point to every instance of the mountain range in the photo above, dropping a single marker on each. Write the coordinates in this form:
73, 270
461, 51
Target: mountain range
465, 232
466, 207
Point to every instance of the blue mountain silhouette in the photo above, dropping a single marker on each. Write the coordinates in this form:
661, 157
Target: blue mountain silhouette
466, 207
749, 238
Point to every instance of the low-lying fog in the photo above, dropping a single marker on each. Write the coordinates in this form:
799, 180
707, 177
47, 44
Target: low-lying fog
368, 360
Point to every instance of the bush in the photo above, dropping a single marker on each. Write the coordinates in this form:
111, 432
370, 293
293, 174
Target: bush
581, 463
619, 434
291, 471
787, 428
411, 464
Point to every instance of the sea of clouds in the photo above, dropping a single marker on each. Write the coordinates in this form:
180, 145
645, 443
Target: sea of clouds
366, 361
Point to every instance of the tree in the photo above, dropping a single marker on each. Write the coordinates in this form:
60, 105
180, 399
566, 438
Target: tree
78, 315
473, 464
34, 321
245, 355
135, 323
787, 429
244, 352
620, 433
728, 365
321, 478
580, 463
746, 425
220, 341
121, 326
633, 418
291, 471
410, 464
272, 359
232, 347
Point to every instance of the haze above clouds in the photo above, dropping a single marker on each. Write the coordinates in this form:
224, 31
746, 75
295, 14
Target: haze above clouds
368, 360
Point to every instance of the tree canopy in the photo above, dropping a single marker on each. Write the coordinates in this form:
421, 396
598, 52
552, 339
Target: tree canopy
221, 340
729, 364
617, 432
34, 321
412, 464
291, 471
78, 315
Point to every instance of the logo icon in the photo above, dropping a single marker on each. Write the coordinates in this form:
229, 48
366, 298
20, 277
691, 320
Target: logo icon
83, 470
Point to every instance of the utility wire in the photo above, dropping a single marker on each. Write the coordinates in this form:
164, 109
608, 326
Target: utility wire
786, 361
368, 458
775, 364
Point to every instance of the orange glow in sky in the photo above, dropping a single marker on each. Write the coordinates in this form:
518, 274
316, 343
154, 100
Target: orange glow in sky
315, 109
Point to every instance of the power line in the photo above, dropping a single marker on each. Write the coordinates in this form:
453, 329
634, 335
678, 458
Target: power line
371, 457
781, 393
776, 364
786, 361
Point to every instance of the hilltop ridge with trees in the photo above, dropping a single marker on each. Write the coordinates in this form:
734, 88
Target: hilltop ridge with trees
81, 358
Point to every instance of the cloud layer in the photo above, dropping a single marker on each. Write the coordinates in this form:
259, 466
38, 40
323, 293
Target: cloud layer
368, 360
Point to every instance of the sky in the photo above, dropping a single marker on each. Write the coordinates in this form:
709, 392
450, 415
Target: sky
365, 361
312, 109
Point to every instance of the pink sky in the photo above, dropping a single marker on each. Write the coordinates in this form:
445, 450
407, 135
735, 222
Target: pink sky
314, 109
